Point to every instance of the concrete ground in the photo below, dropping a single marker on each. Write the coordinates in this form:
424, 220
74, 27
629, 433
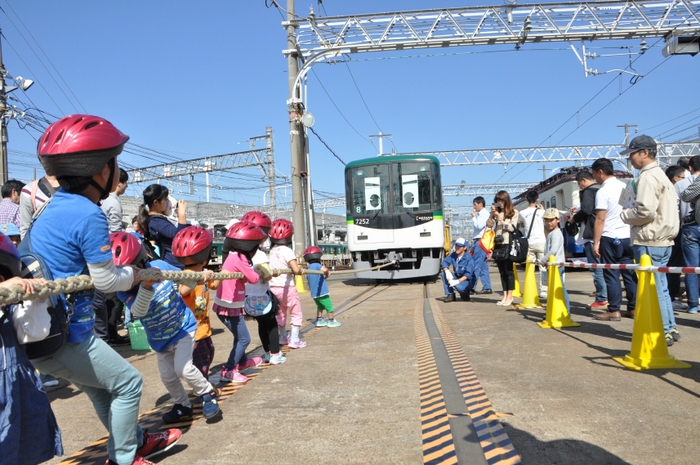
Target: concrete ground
352, 395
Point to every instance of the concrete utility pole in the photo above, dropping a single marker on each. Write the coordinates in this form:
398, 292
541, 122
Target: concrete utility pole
3, 121
296, 134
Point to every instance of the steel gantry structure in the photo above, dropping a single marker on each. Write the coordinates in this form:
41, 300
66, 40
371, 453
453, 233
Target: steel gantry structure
316, 39
262, 157
573, 154
322, 38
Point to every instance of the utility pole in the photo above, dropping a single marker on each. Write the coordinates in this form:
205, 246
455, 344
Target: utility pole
296, 134
544, 172
3, 120
627, 140
270, 166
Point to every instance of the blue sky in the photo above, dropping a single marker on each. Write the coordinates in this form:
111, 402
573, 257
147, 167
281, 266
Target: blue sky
192, 79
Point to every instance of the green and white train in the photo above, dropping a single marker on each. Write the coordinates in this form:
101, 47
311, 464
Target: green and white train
394, 212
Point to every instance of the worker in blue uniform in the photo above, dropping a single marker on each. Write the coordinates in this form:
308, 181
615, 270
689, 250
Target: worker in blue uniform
461, 278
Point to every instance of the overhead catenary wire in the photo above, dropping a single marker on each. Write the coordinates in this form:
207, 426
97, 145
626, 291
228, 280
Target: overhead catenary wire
339, 111
361, 96
329, 149
45, 55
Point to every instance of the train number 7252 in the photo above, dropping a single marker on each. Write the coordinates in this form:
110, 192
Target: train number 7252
362, 221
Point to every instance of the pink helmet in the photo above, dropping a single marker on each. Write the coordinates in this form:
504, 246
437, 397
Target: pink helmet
192, 245
9, 258
79, 145
313, 252
244, 236
281, 231
259, 218
127, 249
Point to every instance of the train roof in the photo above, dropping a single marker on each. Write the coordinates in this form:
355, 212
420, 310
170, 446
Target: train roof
565, 175
392, 158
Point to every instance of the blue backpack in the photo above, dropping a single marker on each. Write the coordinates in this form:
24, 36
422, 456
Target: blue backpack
59, 308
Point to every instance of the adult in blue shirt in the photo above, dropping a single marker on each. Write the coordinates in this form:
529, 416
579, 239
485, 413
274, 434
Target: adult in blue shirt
461, 278
481, 266
155, 225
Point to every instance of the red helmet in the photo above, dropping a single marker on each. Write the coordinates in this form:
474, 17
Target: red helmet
313, 252
9, 258
244, 236
192, 245
259, 218
126, 249
79, 145
281, 231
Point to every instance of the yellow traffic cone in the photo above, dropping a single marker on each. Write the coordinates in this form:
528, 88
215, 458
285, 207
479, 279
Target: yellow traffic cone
649, 350
516, 291
530, 297
300, 284
557, 313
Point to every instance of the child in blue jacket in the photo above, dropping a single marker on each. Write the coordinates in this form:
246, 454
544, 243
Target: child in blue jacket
319, 288
170, 327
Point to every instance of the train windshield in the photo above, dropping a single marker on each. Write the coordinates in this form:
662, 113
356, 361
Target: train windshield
369, 187
415, 186
399, 187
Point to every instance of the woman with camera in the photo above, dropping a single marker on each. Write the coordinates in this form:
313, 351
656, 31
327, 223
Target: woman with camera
503, 220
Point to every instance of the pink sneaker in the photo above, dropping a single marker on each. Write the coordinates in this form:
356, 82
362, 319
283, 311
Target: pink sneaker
251, 362
232, 376
298, 344
283, 340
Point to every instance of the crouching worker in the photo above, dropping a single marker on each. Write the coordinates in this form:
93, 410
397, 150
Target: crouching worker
461, 278
170, 329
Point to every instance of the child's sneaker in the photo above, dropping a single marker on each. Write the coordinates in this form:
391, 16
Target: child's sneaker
320, 322
283, 340
178, 414
298, 344
210, 404
251, 362
266, 357
156, 443
137, 461
276, 359
232, 376
334, 323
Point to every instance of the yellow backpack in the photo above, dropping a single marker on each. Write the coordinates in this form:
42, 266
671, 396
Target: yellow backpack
487, 241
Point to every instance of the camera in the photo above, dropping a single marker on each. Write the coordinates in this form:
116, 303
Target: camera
498, 239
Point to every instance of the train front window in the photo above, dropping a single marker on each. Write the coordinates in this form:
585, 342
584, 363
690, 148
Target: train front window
412, 187
369, 186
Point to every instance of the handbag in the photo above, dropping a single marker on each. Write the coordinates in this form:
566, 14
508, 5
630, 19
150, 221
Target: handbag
517, 249
500, 253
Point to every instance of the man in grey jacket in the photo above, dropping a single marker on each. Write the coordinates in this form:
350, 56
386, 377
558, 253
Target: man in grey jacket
653, 221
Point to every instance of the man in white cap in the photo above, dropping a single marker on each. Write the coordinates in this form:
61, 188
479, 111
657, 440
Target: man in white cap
461, 278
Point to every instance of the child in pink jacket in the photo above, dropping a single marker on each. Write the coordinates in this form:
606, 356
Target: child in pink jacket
230, 297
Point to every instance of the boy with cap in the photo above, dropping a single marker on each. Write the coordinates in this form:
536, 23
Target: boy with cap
12, 231
461, 278
554, 245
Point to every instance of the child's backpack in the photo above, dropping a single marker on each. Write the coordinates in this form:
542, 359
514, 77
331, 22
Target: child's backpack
58, 307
